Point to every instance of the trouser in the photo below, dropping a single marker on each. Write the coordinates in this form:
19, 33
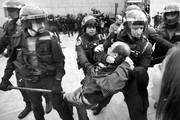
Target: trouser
64, 110
105, 101
21, 83
136, 95
80, 102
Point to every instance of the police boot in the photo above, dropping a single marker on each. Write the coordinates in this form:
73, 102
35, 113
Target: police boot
25, 112
48, 108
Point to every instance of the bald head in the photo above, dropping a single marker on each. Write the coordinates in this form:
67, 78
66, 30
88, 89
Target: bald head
120, 48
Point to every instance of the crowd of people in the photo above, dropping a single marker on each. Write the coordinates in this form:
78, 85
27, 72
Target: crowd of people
114, 58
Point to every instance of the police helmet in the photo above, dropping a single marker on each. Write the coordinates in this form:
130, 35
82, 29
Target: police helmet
135, 16
172, 10
29, 13
89, 20
13, 4
12, 7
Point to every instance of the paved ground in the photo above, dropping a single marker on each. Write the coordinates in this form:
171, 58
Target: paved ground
11, 102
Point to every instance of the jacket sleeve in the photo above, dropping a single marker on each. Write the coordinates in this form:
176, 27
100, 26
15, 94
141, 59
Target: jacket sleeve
81, 56
146, 57
3, 43
10, 67
154, 37
59, 59
115, 81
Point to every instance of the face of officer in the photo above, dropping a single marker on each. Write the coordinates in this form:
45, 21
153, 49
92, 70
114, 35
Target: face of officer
171, 16
36, 27
11, 12
91, 30
137, 30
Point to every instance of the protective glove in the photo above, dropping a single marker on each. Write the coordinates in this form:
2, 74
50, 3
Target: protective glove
99, 48
90, 69
5, 85
119, 60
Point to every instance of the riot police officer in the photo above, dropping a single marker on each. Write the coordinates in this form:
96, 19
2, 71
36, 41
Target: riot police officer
86, 42
135, 91
169, 30
10, 28
39, 59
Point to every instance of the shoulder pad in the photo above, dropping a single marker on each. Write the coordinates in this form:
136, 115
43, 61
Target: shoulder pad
78, 41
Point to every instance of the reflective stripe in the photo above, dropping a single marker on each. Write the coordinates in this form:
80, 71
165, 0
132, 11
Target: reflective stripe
45, 38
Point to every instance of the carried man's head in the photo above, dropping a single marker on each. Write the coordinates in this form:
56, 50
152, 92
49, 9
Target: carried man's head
119, 48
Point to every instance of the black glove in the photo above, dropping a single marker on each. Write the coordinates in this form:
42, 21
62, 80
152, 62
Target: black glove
90, 68
57, 90
119, 60
5, 85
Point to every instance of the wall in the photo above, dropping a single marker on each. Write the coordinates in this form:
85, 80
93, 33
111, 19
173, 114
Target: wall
63, 7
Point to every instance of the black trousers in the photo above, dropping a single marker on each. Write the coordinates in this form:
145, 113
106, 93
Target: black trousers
136, 94
63, 109
21, 83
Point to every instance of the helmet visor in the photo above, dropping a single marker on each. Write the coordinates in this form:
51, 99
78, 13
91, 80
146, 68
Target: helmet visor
138, 23
11, 12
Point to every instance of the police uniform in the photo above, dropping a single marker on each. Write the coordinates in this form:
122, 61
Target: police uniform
172, 36
40, 61
85, 49
11, 31
135, 90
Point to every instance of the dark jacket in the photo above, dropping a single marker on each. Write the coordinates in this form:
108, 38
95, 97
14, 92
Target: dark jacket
155, 37
9, 29
85, 49
48, 51
106, 81
160, 51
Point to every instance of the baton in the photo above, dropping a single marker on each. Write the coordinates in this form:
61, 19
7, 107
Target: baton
32, 89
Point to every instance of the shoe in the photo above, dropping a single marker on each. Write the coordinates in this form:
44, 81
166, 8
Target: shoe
97, 110
25, 112
48, 108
